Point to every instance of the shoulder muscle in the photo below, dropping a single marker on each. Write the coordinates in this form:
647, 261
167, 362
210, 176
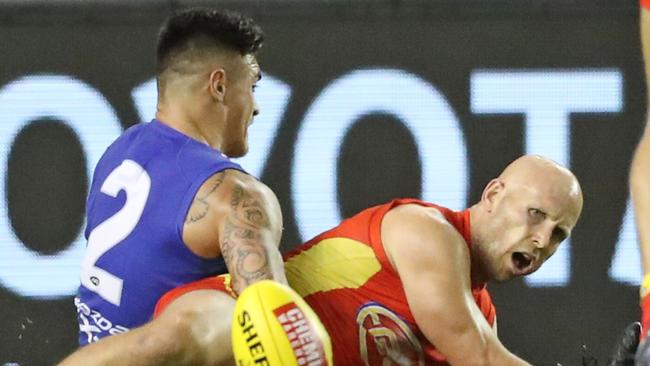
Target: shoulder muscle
228, 195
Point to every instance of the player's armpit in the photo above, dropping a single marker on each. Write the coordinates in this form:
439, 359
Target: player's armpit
433, 263
237, 217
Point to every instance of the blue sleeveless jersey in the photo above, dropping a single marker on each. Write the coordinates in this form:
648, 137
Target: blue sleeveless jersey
141, 191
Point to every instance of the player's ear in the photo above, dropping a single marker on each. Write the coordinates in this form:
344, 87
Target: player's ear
218, 84
492, 193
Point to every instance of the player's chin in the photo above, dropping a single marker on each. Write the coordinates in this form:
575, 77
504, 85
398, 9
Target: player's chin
523, 273
236, 151
502, 274
509, 273
503, 277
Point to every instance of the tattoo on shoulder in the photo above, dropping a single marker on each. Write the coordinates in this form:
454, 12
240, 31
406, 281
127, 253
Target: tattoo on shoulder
247, 208
200, 205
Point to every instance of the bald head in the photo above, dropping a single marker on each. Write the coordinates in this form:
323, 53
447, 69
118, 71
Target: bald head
551, 178
523, 216
529, 165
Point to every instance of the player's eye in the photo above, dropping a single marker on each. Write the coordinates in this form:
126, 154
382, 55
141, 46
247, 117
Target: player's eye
254, 88
536, 214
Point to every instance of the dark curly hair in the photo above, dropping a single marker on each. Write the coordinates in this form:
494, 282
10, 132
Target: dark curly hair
199, 29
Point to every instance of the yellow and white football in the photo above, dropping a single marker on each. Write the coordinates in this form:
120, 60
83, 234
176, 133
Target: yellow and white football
274, 326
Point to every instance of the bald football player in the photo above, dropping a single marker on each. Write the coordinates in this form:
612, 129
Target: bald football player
404, 283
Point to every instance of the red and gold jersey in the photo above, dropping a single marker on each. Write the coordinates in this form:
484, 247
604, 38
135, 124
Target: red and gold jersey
345, 276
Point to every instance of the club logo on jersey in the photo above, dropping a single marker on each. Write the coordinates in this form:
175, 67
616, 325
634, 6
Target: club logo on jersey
304, 339
386, 339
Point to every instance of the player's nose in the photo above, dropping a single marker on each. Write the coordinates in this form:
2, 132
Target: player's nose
542, 237
256, 108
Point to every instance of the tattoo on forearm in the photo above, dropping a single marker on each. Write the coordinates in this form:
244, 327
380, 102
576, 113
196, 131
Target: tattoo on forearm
246, 258
200, 205
252, 272
247, 261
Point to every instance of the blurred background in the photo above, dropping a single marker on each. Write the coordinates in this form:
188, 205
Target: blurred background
361, 101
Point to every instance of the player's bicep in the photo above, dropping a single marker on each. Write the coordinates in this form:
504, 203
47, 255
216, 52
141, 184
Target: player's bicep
238, 218
433, 263
443, 310
253, 206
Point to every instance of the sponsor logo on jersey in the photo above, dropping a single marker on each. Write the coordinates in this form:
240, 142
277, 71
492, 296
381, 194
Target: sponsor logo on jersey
386, 339
93, 324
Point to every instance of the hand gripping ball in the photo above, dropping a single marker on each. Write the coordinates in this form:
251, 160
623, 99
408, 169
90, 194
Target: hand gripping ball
274, 326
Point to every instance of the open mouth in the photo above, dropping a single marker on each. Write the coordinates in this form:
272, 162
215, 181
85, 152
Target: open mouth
522, 262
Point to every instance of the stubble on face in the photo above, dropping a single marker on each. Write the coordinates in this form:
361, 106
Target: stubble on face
490, 259
241, 105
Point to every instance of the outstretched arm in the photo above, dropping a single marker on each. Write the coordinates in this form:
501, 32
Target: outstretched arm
640, 178
433, 263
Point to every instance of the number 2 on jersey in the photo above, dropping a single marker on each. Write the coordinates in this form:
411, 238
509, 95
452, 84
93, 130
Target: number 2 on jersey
136, 183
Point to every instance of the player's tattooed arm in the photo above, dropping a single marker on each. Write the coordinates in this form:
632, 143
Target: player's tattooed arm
241, 247
235, 216
201, 203
250, 235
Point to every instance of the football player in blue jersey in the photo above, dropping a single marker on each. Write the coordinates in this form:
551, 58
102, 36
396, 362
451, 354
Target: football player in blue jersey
167, 206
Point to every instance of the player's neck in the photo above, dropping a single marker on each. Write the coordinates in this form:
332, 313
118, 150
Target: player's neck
478, 275
191, 124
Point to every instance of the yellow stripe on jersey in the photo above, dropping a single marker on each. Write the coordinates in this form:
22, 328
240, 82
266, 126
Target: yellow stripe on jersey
227, 282
333, 263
